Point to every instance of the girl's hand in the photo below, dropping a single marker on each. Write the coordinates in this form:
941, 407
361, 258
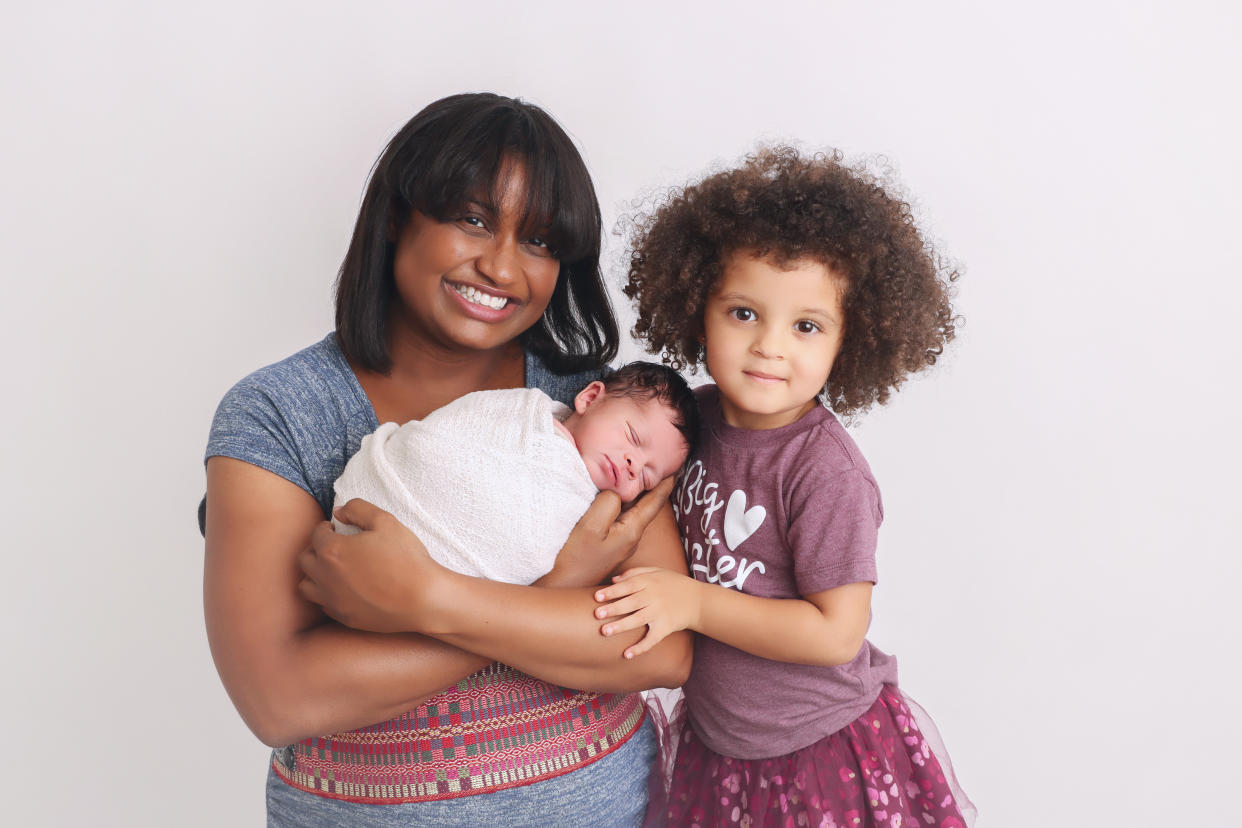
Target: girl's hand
663, 601
600, 541
372, 580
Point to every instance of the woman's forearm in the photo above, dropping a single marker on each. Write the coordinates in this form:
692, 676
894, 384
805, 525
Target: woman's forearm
290, 672
551, 634
335, 679
382, 579
327, 678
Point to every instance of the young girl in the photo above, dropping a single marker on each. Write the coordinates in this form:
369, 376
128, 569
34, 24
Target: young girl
802, 286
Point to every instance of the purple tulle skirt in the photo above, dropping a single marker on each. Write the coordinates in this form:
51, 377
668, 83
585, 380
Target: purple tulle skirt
883, 769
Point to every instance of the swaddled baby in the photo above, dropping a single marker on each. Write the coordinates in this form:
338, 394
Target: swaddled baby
493, 482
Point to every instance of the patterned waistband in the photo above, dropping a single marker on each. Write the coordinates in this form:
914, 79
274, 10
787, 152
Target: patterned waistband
497, 729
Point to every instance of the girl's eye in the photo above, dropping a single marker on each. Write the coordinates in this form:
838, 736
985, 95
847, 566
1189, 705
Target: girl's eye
743, 314
806, 327
472, 221
632, 435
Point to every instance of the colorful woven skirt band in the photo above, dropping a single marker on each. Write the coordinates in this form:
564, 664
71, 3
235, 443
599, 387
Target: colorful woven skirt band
497, 729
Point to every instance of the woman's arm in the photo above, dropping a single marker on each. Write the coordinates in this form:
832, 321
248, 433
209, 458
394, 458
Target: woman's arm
382, 578
825, 628
291, 672
561, 641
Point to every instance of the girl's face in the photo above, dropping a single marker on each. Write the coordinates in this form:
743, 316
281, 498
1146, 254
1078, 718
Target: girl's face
771, 335
474, 282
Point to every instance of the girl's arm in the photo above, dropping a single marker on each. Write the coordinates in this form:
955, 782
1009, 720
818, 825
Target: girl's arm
825, 628
382, 578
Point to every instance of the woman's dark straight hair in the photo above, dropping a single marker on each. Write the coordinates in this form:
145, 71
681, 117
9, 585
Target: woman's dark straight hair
451, 153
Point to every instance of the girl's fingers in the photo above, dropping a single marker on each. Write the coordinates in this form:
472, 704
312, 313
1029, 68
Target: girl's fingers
630, 573
638, 649
618, 590
648, 641
633, 621
624, 605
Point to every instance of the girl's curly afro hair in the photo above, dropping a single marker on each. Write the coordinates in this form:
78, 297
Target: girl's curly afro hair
785, 206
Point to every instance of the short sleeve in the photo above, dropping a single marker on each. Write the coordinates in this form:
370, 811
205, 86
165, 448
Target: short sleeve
834, 523
249, 425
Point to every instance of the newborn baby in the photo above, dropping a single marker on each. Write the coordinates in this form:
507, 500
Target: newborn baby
493, 482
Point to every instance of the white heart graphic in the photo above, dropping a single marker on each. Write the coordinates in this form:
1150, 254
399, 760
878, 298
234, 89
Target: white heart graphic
739, 522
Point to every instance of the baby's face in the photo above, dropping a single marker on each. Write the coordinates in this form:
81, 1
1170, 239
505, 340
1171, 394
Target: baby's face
629, 445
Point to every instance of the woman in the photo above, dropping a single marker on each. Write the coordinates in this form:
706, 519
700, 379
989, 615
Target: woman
473, 265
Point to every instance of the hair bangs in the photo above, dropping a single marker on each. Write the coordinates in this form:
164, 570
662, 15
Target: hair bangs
452, 170
561, 208
474, 160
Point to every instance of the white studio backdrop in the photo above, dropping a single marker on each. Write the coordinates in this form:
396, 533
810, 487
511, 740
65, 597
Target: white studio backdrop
1060, 553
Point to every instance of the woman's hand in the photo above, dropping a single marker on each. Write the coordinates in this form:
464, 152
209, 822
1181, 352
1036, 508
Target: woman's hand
662, 601
371, 580
600, 542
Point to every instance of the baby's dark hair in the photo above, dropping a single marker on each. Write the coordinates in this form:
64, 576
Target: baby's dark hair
651, 380
787, 206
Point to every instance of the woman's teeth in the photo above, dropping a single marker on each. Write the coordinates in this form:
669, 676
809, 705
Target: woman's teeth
478, 297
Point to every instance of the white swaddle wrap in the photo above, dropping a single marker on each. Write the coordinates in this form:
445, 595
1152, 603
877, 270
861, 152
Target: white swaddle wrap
487, 483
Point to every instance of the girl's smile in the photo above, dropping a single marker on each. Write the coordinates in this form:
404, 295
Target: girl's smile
771, 334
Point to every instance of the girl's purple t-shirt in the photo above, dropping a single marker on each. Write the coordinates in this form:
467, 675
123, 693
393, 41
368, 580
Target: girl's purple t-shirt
778, 514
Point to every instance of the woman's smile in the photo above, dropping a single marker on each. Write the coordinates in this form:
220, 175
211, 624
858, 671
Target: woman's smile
475, 280
489, 305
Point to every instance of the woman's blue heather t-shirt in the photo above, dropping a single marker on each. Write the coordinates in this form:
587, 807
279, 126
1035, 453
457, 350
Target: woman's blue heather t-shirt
304, 417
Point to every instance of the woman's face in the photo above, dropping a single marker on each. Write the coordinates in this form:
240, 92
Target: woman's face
474, 281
